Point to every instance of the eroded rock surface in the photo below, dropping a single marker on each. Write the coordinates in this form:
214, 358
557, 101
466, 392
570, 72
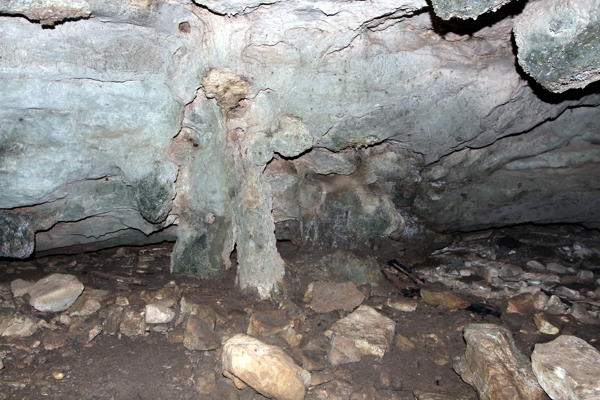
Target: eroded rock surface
556, 41
337, 125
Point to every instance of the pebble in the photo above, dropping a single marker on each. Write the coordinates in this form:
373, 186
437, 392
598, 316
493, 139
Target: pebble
58, 375
402, 303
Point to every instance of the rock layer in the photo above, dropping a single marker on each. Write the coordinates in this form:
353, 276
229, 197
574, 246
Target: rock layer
337, 125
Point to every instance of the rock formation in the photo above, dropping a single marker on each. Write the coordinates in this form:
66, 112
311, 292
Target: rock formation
332, 124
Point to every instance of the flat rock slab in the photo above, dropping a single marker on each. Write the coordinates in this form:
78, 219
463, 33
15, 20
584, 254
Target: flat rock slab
371, 332
438, 295
266, 369
331, 296
55, 293
568, 368
494, 366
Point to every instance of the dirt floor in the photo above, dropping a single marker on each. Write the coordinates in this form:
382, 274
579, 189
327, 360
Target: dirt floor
156, 365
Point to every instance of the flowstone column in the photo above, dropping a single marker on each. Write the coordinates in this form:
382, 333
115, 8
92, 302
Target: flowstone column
254, 134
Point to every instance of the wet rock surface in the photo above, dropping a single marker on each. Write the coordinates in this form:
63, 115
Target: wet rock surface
117, 350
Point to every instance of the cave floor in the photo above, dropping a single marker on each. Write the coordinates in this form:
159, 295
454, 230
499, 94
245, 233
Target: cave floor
59, 361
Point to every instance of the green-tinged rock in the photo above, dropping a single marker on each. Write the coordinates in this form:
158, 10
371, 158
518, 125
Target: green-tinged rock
16, 236
558, 43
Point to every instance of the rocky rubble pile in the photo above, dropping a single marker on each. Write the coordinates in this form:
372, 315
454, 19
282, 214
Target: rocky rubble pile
529, 322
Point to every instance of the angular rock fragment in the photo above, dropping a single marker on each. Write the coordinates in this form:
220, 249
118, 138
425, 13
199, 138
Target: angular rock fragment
199, 336
266, 369
331, 296
439, 295
556, 41
20, 287
520, 304
16, 324
53, 340
268, 322
535, 265
113, 320
85, 305
371, 332
84, 330
402, 303
314, 352
190, 305
342, 351
55, 293
581, 314
567, 368
494, 366
158, 314
555, 267
132, 323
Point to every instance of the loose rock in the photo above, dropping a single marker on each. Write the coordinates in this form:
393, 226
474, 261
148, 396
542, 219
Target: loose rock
158, 314
567, 368
535, 264
20, 287
439, 295
55, 293
132, 323
342, 351
521, 304
494, 366
371, 332
266, 369
331, 296
84, 306
547, 324
555, 267
269, 322
403, 304
199, 336
16, 324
